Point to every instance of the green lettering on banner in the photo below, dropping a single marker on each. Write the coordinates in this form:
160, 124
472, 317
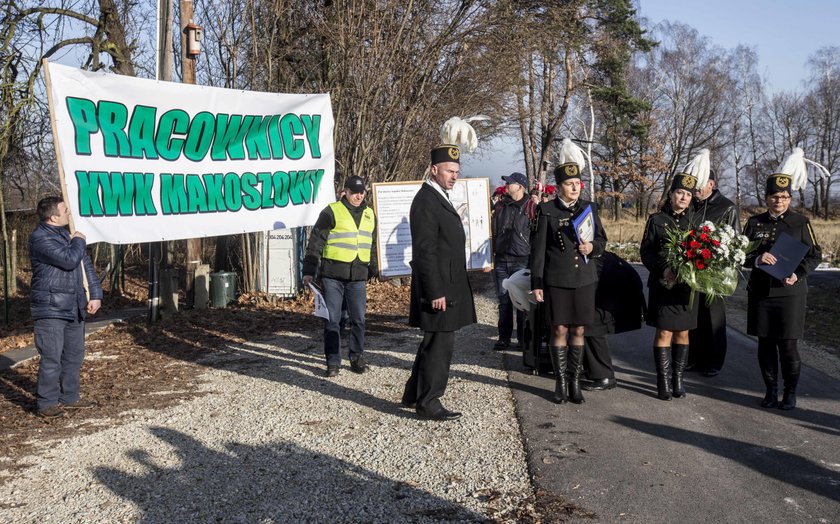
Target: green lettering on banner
265, 189
83, 115
299, 188
174, 121
143, 202
117, 194
196, 194
141, 132
281, 188
257, 139
89, 203
315, 177
274, 137
199, 136
230, 132
215, 195
251, 198
233, 192
113, 118
173, 196
312, 126
290, 127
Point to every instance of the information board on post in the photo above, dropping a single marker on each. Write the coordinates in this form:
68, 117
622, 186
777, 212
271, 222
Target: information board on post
392, 203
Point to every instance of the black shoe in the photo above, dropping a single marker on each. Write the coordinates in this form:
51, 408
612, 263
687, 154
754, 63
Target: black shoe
50, 412
407, 404
771, 398
501, 345
441, 414
358, 364
711, 372
332, 371
601, 384
788, 401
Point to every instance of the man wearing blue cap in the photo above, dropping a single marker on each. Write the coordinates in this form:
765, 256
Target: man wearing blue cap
511, 249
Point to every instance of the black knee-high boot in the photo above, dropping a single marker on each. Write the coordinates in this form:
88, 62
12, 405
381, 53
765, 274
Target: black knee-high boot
679, 357
558, 363
791, 366
575, 370
768, 361
662, 358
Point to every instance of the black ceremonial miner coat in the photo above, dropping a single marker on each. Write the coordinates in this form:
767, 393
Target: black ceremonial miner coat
555, 260
439, 264
765, 229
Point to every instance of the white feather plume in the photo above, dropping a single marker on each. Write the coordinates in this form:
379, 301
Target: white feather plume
794, 166
459, 132
699, 168
570, 152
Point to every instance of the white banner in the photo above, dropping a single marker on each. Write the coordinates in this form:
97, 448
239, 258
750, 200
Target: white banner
144, 160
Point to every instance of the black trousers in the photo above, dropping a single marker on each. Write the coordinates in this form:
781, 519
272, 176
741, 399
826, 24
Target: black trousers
430, 372
707, 343
597, 360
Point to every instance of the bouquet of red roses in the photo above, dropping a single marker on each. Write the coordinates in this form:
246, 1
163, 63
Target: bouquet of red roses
707, 259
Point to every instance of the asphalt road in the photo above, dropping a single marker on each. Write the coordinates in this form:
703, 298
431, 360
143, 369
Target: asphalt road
714, 456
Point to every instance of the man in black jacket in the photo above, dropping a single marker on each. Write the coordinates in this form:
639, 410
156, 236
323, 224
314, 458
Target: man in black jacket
341, 243
511, 248
707, 342
59, 305
441, 297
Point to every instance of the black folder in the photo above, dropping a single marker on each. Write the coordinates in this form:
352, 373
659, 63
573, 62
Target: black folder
789, 253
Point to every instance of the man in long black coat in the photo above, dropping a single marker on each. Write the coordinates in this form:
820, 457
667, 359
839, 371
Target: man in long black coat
708, 341
441, 297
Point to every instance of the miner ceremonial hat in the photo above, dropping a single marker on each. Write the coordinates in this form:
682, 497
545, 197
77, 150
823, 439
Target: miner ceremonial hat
355, 184
446, 153
791, 175
516, 178
695, 175
572, 162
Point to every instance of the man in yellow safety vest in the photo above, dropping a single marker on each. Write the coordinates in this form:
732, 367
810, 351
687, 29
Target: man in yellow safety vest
340, 251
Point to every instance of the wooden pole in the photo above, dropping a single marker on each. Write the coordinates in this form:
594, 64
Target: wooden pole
62, 183
188, 77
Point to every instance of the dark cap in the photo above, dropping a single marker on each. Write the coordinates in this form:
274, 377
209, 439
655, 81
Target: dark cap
684, 181
712, 174
777, 183
516, 178
355, 184
566, 171
446, 153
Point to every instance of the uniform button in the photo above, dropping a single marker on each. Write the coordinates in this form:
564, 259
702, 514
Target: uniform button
576, 265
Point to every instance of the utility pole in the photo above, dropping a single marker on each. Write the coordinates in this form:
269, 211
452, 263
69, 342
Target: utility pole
163, 71
189, 35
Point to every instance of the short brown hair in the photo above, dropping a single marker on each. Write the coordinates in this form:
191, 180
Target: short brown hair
48, 207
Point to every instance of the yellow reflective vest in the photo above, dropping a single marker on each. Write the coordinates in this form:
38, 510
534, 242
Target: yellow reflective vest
346, 241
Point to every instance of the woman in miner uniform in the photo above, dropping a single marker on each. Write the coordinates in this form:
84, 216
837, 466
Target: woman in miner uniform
776, 308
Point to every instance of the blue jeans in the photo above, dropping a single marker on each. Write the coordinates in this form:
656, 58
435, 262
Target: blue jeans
61, 344
335, 293
502, 270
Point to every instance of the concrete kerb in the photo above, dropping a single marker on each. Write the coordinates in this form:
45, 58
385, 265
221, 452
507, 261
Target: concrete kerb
12, 358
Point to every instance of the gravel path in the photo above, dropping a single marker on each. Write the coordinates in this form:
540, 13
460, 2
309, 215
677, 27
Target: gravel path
274, 441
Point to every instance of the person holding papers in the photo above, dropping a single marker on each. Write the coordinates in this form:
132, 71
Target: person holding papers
569, 234
339, 250
669, 300
787, 252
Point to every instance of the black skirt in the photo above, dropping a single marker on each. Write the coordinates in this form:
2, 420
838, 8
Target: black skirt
570, 306
668, 308
776, 317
